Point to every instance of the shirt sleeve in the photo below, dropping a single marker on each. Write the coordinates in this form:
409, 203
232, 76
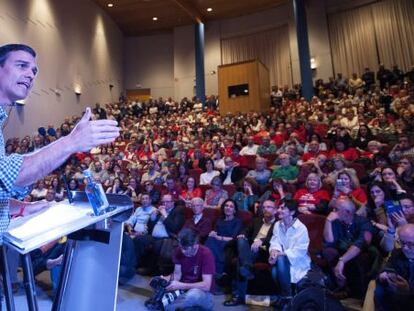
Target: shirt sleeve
360, 241
132, 219
9, 169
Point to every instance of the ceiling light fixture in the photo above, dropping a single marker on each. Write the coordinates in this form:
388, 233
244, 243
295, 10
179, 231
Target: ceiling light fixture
110, 5
209, 9
155, 18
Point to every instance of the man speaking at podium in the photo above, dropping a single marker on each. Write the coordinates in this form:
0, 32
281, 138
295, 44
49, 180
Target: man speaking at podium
18, 69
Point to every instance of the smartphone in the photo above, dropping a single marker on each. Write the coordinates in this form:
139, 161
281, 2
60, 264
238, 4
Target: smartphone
339, 183
392, 274
392, 207
390, 270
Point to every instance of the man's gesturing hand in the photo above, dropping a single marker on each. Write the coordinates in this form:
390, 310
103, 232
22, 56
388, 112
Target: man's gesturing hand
88, 134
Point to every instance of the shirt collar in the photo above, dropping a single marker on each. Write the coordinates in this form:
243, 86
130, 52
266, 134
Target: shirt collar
270, 222
295, 224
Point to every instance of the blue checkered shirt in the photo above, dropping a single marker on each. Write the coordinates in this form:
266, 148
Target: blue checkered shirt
9, 169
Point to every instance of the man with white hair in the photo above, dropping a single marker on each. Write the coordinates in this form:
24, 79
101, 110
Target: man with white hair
251, 148
347, 237
198, 223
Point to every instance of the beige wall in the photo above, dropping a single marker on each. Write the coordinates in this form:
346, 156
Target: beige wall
182, 47
148, 63
78, 46
184, 62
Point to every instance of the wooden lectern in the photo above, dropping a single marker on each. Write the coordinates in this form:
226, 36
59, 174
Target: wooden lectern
244, 87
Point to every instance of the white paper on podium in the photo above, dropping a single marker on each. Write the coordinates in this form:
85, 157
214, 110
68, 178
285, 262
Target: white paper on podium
59, 214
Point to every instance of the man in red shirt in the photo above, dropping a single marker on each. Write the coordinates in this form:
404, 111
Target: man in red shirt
193, 273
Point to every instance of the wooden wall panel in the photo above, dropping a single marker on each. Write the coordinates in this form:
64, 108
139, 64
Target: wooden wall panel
141, 95
253, 73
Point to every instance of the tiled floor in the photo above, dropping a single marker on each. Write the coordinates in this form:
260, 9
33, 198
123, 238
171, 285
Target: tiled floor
131, 297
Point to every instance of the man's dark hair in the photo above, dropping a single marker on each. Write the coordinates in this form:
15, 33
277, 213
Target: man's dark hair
6, 49
292, 206
187, 237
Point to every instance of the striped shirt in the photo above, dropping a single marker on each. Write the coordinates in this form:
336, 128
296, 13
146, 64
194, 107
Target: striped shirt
9, 169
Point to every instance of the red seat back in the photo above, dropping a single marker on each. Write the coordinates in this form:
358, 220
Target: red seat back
315, 224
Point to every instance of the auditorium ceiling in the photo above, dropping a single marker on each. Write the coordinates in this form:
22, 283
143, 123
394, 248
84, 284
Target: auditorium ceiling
136, 17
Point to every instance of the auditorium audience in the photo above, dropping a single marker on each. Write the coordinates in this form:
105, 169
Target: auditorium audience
312, 152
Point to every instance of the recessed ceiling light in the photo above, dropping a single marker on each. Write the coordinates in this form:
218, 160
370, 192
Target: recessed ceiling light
155, 18
110, 5
209, 9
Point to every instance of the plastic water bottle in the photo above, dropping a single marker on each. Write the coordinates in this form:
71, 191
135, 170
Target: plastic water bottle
95, 193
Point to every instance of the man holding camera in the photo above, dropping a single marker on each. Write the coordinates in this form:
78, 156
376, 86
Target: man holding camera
192, 279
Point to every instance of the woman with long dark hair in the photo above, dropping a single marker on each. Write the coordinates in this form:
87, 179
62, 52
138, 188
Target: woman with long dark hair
227, 228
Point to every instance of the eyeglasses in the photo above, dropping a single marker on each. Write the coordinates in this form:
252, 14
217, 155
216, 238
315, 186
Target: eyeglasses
167, 201
407, 244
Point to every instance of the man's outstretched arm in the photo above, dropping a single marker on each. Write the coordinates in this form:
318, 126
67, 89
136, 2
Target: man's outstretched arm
86, 135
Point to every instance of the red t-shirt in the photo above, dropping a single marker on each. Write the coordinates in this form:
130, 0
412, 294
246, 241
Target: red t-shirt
351, 154
278, 139
193, 268
303, 196
358, 195
196, 193
241, 160
309, 155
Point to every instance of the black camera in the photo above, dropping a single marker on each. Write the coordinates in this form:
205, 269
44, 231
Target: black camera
158, 284
161, 297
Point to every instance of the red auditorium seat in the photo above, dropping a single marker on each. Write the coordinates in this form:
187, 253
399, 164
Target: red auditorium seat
195, 173
246, 217
359, 169
315, 224
212, 213
270, 159
251, 161
231, 189
204, 188
188, 213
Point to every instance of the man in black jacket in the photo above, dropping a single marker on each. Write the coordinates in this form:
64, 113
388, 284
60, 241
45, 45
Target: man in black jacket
163, 227
368, 77
232, 173
384, 76
253, 246
395, 285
